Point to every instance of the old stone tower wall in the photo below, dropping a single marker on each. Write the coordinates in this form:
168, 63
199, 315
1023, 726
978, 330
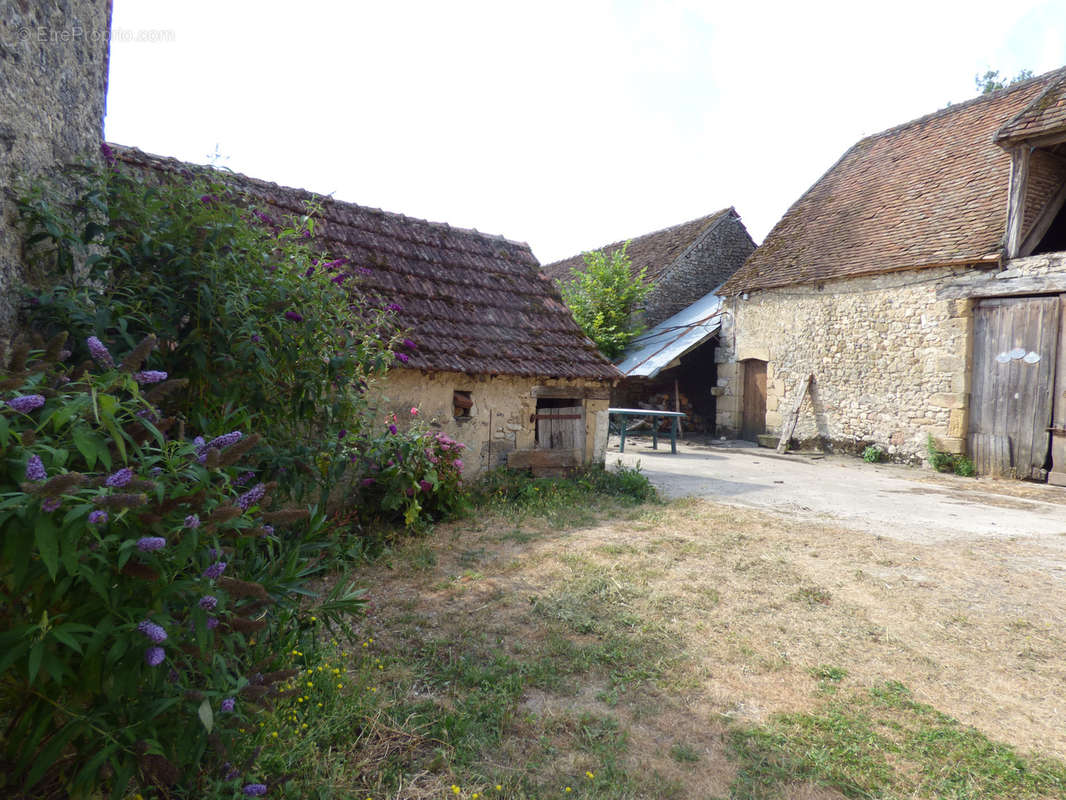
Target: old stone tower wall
705, 266
53, 86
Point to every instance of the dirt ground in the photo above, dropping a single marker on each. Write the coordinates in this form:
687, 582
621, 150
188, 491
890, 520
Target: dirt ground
772, 570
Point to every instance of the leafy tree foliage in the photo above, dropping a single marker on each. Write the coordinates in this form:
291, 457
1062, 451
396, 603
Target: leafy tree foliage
603, 298
991, 80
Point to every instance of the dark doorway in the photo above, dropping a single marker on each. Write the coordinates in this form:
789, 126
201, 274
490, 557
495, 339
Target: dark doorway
754, 399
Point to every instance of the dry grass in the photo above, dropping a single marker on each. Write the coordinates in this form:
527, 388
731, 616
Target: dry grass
728, 615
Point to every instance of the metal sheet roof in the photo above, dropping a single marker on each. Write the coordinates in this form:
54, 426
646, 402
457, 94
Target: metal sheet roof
657, 348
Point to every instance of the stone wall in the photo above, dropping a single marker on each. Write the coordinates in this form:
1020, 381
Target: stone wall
705, 266
53, 85
891, 354
499, 422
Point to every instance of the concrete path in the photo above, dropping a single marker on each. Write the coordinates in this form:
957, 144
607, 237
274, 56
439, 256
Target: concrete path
907, 503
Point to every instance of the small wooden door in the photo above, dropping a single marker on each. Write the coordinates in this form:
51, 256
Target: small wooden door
561, 427
1014, 354
754, 400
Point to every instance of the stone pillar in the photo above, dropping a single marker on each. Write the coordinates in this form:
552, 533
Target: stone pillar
53, 89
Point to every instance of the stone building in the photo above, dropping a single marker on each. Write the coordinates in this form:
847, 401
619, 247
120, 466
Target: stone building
919, 282
53, 86
672, 364
499, 362
683, 263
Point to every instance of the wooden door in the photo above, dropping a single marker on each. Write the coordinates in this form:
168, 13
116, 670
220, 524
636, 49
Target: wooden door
561, 428
1014, 355
754, 400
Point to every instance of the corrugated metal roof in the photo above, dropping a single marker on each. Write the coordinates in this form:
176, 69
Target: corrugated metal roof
656, 349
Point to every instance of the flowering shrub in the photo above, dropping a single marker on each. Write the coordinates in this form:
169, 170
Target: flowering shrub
246, 306
145, 588
412, 476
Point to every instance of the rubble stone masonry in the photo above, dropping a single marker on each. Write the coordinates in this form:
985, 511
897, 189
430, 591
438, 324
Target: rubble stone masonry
891, 354
53, 85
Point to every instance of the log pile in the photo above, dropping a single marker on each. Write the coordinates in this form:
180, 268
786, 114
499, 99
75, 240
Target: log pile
664, 401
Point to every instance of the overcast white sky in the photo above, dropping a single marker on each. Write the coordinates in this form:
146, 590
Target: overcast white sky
567, 125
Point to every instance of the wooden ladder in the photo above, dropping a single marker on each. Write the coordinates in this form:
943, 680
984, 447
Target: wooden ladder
793, 416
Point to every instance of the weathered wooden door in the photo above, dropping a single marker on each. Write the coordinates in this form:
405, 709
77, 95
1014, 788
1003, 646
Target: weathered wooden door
1014, 353
561, 428
754, 400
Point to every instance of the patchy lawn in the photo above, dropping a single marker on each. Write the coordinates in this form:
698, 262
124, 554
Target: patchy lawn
698, 650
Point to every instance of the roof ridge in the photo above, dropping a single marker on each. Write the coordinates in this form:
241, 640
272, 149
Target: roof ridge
710, 218
954, 107
122, 150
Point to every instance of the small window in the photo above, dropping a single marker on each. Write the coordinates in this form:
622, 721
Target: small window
461, 404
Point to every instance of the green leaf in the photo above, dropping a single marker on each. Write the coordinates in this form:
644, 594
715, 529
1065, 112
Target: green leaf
36, 654
87, 774
62, 633
90, 444
48, 757
47, 537
207, 716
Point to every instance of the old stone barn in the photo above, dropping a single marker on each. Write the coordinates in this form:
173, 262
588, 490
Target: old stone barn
920, 283
498, 364
672, 363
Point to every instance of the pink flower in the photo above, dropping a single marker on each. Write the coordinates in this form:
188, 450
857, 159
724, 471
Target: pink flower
458, 463
414, 412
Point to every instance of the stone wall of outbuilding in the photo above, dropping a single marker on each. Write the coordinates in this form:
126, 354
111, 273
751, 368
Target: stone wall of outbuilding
499, 421
704, 267
891, 354
53, 86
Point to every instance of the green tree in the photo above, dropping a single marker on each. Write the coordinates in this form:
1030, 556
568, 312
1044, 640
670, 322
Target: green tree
991, 80
603, 297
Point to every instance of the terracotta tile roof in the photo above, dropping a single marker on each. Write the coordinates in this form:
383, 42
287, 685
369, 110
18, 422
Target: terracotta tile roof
472, 302
931, 191
656, 251
1046, 114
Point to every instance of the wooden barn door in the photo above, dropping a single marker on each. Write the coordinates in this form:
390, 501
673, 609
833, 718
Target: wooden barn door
561, 426
754, 420
1014, 354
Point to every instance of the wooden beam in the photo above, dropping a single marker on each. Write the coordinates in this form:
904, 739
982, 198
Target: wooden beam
792, 420
1019, 179
1043, 222
1047, 140
1009, 287
572, 392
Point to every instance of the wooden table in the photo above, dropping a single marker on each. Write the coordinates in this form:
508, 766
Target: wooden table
626, 413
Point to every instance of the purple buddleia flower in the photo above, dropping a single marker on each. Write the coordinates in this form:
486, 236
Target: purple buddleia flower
25, 403
309, 272
251, 497
149, 376
244, 477
97, 517
154, 656
119, 479
294, 316
255, 789
208, 602
212, 623
152, 631
101, 355
192, 521
199, 441
426, 486
255, 338
409, 344
394, 307
403, 358
147, 544
228, 704
392, 429
224, 441
35, 469
342, 433
215, 570
50, 504
368, 481
339, 279
108, 154
268, 530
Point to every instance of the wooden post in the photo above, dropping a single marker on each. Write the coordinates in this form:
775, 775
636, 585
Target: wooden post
793, 416
1019, 179
677, 407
